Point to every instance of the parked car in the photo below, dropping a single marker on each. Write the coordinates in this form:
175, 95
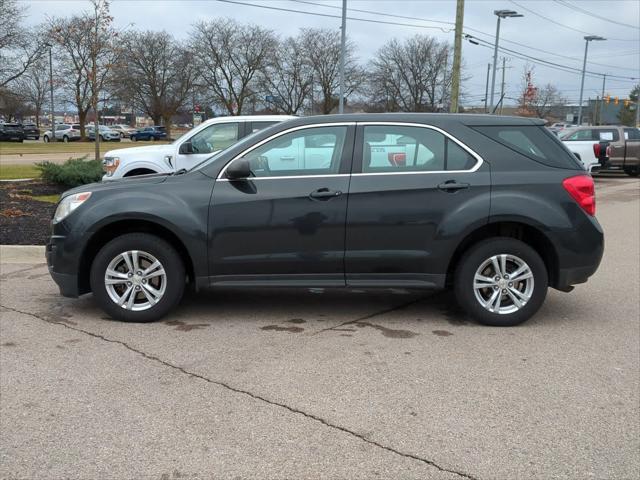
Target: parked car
124, 130
494, 207
606, 147
149, 133
64, 132
188, 150
106, 134
31, 131
11, 132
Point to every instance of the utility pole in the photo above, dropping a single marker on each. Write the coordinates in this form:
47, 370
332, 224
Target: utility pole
343, 48
502, 87
486, 88
604, 79
457, 55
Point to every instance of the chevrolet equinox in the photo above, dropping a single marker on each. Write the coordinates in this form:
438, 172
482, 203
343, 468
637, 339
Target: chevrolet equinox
495, 208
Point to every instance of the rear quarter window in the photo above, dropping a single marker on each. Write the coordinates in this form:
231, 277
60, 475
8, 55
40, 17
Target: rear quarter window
533, 142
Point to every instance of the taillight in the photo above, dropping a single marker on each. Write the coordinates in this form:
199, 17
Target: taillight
582, 190
596, 149
608, 150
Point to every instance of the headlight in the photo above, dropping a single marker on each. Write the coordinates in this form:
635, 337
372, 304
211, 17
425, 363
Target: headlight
68, 204
110, 164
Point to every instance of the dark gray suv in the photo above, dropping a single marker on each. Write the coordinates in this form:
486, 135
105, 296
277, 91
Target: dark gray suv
494, 207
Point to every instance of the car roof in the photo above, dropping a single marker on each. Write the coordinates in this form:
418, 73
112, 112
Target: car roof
250, 118
426, 118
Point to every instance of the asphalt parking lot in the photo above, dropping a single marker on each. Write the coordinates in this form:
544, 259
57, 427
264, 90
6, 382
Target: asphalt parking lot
282, 384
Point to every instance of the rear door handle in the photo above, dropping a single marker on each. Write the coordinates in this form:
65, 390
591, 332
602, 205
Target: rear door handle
324, 194
452, 186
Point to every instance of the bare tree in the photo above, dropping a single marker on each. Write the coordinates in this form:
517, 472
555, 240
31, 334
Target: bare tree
230, 56
12, 105
411, 76
19, 47
288, 77
322, 53
86, 53
157, 79
33, 87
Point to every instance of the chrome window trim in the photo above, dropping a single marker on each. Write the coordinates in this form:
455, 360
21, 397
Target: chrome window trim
469, 150
279, 134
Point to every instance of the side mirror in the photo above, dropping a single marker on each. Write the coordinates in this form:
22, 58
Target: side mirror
186, 148
239, 169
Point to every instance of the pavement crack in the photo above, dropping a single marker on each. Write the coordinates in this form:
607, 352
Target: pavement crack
259, 397
371, 315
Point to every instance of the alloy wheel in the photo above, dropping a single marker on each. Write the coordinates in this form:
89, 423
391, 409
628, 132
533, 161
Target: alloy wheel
135, 280
503, 284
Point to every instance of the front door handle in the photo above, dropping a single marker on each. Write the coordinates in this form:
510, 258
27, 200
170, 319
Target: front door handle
452, 186
324, 194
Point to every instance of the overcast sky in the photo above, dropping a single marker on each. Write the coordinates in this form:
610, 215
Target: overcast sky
562, 41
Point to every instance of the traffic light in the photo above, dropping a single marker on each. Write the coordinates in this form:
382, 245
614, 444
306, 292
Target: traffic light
607, 98
615, 100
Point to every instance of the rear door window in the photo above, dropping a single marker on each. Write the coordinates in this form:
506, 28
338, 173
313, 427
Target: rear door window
534, 142
608, 135
395, 148
632, 133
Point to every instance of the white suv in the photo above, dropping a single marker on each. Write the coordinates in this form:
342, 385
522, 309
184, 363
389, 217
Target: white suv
188, 150
64, 132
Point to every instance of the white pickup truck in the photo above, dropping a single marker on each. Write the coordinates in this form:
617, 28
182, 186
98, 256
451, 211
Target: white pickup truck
188, 150
589, 143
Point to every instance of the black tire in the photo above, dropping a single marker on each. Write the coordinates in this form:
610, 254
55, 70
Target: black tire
473, 259
134, 138
65, 139
161, 250
152, 138
46, 139
632, 172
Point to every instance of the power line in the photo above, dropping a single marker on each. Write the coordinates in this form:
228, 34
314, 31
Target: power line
283, 9
591, 14
517, 54
563, 25
479, 32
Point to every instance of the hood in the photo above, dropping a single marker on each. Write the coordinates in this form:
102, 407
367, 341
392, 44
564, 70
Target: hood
121, 183
133, 151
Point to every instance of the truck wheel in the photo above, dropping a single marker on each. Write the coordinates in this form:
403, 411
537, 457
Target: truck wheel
137, 277
501, 281
632, 172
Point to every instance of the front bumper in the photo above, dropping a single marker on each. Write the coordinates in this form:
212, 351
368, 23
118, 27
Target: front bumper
67, 282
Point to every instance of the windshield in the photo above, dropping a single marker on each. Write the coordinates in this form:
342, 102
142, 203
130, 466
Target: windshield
245, 140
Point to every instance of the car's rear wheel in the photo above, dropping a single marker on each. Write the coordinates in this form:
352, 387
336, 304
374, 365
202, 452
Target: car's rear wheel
501, 281
46, 139
134, 138
137, 277
65, 139
152, 138
632, 172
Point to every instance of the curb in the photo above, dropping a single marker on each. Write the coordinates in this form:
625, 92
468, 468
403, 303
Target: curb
30, 254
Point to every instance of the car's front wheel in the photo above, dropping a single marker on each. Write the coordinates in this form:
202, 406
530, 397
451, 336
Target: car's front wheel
501, 281
46, 139
137, 277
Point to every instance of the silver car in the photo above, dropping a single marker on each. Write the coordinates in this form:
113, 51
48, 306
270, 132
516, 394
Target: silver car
64, 132
106, 134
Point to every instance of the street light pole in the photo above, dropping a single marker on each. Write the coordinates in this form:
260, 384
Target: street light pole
53, 125
343, 48
587, 39
500, 14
